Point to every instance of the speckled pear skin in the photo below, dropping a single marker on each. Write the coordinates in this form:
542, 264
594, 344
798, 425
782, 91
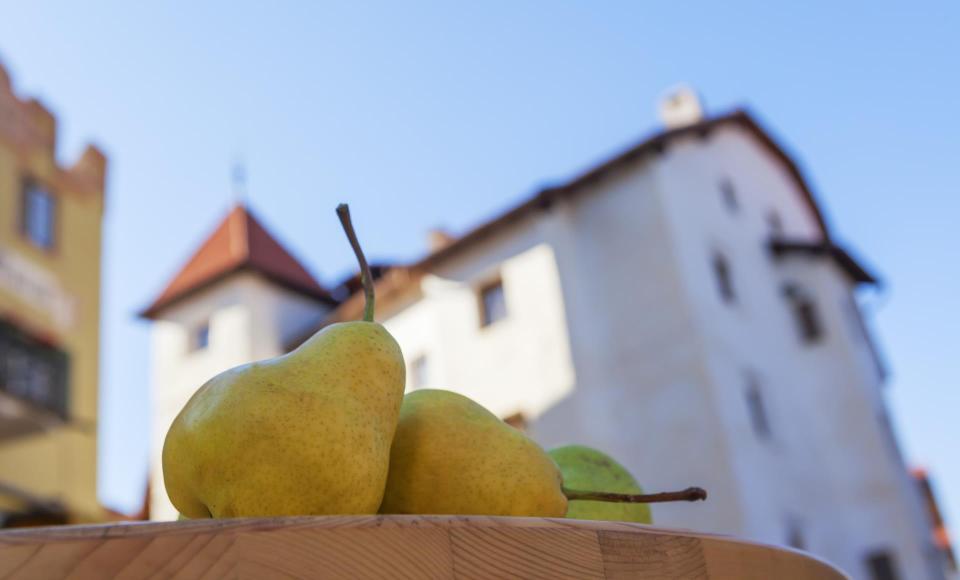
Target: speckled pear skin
452, 456
307, 433
587, 469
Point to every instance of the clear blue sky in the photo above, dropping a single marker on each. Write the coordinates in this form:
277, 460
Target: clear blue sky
440, 113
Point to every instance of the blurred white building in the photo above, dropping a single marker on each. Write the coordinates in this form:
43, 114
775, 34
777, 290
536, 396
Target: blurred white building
683, 306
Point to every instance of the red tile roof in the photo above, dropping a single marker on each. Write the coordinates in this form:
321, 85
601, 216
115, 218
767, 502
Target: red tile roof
240, 243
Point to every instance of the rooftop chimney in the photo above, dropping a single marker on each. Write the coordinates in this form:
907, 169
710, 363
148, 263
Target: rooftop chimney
680, 107
438, 239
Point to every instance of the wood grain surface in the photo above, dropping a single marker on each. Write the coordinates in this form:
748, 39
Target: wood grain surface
393, 547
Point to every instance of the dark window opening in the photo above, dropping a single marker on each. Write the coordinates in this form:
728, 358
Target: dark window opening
729, 195
419, 369
795, 537
38, 215
201, 337
724, 278
33, 371
808, 320
493, 303
758, 411
805, 314
881, 565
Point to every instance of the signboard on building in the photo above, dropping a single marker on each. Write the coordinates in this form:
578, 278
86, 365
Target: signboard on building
36, 287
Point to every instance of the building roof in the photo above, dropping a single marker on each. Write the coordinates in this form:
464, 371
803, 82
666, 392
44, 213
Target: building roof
353, 283
398, 280
782, 247
655, 144
239, 244
27, 126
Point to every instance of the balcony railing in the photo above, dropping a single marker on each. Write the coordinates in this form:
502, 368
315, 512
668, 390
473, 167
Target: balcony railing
33, 382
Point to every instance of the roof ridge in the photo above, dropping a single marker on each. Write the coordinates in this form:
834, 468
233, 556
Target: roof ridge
652, 144
240, 242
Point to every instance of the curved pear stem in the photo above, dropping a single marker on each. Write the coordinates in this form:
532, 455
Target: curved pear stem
689, 494
343, 212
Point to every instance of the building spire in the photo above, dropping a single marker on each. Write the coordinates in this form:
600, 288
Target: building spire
238, 178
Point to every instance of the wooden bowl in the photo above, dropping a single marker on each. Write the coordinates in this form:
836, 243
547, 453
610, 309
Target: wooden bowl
393, 547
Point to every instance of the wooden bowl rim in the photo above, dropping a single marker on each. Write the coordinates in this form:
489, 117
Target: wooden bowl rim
134, 529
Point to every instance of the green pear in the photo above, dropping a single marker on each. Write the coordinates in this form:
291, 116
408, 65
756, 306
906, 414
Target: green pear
584, 468
452, 456
305, 433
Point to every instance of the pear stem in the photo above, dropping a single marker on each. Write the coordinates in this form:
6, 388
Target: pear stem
689, 494
343, 212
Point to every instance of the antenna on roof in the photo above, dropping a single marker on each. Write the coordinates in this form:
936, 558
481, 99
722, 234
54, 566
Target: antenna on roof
238, 177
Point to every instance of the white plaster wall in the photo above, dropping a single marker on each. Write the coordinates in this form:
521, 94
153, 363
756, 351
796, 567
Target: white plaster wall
641, 383
828, 466
735, 339
518, 364
871, 484
250, 319
654, 366
590, 285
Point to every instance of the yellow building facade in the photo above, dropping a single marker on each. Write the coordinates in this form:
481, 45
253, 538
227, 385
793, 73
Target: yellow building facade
50, 231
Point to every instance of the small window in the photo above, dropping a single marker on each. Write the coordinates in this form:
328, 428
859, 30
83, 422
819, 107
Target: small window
774, 222
805, 314
808, 320
201, 337
419, 369
38, 215
881, 565
729, 195
757, 410
795, 536
721, 272
493, 303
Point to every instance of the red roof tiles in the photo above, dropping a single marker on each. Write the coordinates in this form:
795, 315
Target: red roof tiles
240, 243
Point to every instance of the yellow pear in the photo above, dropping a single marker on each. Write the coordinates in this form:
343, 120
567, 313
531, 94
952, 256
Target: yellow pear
304, 433
452, 456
